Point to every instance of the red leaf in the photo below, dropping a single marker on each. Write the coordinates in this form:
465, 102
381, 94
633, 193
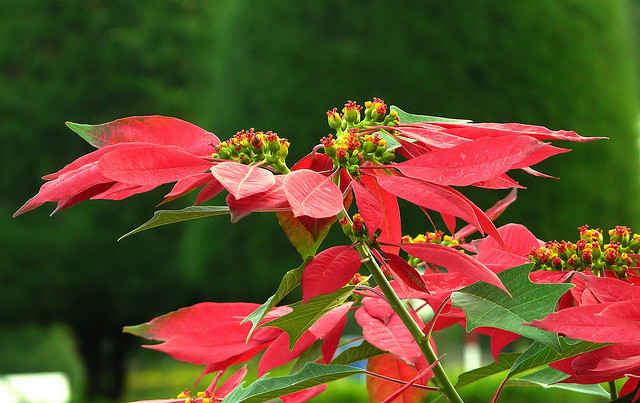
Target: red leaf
405, 273
499, 339
315, 226
391, 225
267, 200
66, 186
311, 194
626, 314
231, 383
590, 289
453, 260
499, 182
242, 180
494, 212
476, 130
430, 135
150, 165
470, 162
186, 334
368, 207
519, 240
586, 322
329, 270
315, 162
121, 191
383, 328
538, 155
439, 198
389, 366
278, 352
615, 360
186, 185
209, 190
332, 340
84, 195
151, 129
303, 395
93, 157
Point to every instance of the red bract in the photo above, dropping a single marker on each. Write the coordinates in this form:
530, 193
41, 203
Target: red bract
330, 270
604, 316
135, 155
368, 207
391, 225
476, 161
472, 131
151, 165
602, 365
186, 185
311, 194
242, 180
268, 200
327, 327
392, 367
149, 129
209, 333
519, 241
382, 327
404, 273
453, 260
439, 198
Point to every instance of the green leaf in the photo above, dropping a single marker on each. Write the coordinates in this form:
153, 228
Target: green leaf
86, 132
537, 355
311, 354
540, 354
406, 117
164, 217
391, 141
305, 242
290, 281
505, 361
363, 351
546, 377
298, 321
266, 389
486, 305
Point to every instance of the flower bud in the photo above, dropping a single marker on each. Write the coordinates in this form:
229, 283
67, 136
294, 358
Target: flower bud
351, 112
334, 120
284, 149
388, 156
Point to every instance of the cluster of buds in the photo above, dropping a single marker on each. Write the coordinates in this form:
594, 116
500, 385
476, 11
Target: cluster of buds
354, 227
437, 237
200, 397
590, 253
356, 139
250, 147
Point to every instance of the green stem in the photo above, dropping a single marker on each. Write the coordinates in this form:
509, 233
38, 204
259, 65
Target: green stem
613, 392
442, 379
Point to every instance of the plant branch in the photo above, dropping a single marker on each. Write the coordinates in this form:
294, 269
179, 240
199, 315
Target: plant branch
441, 377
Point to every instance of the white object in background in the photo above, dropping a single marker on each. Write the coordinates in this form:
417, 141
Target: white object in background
50, 387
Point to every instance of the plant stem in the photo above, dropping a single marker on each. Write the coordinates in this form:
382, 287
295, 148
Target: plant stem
613, 392
443, 381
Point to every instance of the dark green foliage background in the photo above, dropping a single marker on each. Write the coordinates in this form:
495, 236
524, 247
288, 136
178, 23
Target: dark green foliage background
279, 66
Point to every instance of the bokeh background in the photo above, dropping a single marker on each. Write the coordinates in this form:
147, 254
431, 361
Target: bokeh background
67, 287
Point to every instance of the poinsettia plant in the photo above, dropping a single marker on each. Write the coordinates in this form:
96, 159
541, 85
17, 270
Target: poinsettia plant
575, 302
